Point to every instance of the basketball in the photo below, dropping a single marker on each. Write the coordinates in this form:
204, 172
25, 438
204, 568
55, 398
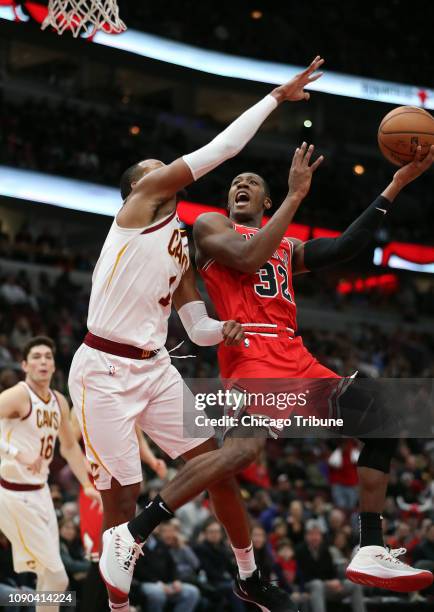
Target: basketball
402, 131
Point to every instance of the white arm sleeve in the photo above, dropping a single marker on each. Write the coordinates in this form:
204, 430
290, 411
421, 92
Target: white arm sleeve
7, 450
230, 142
201, 329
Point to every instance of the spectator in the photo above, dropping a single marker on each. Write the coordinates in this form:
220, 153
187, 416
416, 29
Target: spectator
263, 557
343, 475
12, 292
72, 554
279, 533
156, 571
5, 354
216, 560
21, 333
423, 554
285, 559
8, 378
404, 538
10, 582
296, 522
192, 515
319, 574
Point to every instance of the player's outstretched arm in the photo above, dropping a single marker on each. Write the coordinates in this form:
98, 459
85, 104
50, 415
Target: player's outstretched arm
201, 329
72, 453
216, 239
322, 252
165, 182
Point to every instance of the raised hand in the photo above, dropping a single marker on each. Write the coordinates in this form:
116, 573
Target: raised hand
414, 169
293, 90
300, 174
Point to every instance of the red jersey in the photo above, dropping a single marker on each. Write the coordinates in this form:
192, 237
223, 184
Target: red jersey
263, 299
264, 303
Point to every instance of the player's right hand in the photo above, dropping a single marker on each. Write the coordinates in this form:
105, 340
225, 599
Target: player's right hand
294, 89
233, 333
32, 463
300, 174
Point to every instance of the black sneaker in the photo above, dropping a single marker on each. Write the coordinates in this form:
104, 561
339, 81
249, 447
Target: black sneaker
268, 597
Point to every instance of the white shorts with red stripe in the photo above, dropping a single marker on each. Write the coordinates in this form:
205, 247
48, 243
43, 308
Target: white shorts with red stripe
111, 394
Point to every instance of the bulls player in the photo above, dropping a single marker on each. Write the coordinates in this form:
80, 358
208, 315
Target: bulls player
32, 417
122, 375
248, 273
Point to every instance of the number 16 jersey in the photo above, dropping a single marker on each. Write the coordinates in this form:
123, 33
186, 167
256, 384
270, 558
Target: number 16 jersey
35, 433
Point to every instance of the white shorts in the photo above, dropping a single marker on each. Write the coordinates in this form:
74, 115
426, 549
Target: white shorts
28, 520
112, 394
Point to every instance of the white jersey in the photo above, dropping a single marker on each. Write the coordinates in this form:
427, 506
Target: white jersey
133, 282
37, 433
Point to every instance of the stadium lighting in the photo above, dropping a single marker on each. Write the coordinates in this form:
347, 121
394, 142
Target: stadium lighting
250, 69
358, 169
307, 123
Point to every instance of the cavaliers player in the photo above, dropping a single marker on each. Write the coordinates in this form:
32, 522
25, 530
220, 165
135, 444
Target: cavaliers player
243, 270
32, 417
94, 593
122, 376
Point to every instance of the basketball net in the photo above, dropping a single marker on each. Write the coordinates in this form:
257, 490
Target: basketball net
84, 16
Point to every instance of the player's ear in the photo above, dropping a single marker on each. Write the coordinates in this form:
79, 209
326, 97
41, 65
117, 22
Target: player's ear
24, 366
268, 203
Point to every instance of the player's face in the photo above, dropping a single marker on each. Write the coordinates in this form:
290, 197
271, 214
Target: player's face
247, 197
39, 366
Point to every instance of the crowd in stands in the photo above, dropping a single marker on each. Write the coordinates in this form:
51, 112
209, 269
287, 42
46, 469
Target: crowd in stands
40, 135
290, 32
301, 496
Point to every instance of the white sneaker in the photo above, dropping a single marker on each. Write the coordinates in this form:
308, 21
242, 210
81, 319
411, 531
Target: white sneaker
379, 567
118, 558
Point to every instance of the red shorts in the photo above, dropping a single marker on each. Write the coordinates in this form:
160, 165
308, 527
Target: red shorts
279, 379
90, 526
271, 358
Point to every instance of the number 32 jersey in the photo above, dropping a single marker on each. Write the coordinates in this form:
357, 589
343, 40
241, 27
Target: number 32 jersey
264, 300
35, 433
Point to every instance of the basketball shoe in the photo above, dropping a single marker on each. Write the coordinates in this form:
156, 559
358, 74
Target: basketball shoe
268, 597
119, 554
376, 566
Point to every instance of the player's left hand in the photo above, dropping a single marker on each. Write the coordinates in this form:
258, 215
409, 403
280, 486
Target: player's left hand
293, 90
414, 169
94, 495
233, 333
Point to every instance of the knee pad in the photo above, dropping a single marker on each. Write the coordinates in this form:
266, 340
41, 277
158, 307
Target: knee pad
377, 453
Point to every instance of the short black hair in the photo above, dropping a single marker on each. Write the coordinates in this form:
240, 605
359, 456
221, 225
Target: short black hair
38, 341
131, 175
266, 186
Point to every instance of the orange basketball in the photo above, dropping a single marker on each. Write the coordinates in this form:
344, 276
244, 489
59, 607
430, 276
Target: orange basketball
402, 131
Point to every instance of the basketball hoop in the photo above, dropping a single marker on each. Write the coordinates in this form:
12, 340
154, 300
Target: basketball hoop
84, 16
